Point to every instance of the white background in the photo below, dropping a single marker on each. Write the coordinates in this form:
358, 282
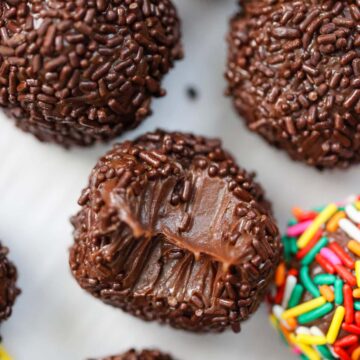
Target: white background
40, 183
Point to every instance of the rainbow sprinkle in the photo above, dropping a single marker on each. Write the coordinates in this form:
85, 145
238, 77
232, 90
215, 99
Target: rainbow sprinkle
320, 278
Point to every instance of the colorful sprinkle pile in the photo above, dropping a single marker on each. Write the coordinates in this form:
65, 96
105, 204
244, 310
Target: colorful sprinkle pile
316, 300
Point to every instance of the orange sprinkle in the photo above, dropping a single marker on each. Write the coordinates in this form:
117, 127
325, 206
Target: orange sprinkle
327, 293
333, 223
354, 247
356, 293
285, 332
280, 274
356, 354
292, 323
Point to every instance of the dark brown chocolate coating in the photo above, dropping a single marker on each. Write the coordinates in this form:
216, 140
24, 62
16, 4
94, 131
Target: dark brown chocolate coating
8, 289
76, 72
140, 355
171, 229
294, 75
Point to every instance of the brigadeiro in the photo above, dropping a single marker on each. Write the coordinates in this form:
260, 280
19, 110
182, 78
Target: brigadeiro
8, 289
316, 300
140, 355
171, 229
75, 72
294, 75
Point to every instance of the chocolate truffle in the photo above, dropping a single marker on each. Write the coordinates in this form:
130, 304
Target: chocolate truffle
8, 289
140, 355
76, 72
171, 229
294, 75
316, 300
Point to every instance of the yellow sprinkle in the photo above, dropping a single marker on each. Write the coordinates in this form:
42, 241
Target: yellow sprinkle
357, 204
356, 293
273, 321
303, 308
306, 349
335, 324
309, 233
357, 272
3, 354
310, 339
354, 247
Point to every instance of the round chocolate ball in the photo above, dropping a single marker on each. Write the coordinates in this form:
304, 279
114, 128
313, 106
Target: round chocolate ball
171, 229
315, 303
76, 72
140, 355
8, 289
294, 75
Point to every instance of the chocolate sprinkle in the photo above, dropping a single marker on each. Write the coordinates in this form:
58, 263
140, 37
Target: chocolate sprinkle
140, 355
171, 229
293, 72
76, 72
8, 289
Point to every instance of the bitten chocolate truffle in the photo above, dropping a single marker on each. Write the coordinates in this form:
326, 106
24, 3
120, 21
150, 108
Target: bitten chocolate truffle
8, 289
76, 72
315, 302
294, 75
171, 229
140, 355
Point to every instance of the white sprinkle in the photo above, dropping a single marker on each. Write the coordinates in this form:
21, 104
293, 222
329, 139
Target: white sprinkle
289, 287
350, 229
352, 213
315, 331
278, 311
303, 330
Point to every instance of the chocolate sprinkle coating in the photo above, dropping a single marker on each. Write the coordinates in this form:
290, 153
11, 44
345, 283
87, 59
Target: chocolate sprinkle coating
140, 355
294, 75
171, 229
8, 289
76, 72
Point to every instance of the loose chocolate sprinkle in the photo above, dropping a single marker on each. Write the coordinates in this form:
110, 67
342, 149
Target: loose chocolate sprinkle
171, 229
294, 75
76, 72
140, 355
192, 93
8, 289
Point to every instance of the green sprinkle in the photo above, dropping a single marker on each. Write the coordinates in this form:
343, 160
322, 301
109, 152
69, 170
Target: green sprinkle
324, 279
325, 352
292, 222
315, 314
296, 296
287, 248
357, 305
338, 289
307, 282
303, 357
342, 208
310, 256
293, 245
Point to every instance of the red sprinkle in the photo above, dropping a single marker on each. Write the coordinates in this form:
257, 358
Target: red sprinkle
326, 265
310, 245
351, 328
345, 275
342, 353
279, 295
347, 341
357, 318
304, 215
348, 304
344, 257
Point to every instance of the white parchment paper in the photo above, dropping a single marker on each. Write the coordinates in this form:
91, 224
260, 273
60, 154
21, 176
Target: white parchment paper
40, 183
